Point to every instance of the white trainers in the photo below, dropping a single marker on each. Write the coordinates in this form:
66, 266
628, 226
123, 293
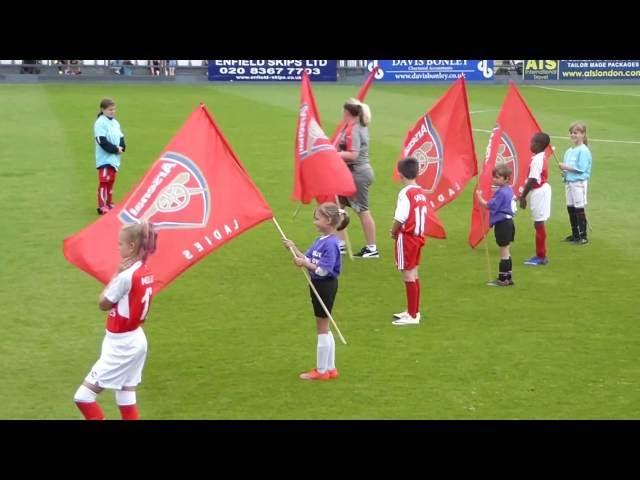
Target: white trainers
400, 315
407, 320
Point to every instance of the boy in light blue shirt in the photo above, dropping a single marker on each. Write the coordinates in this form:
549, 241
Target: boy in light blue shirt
109, 146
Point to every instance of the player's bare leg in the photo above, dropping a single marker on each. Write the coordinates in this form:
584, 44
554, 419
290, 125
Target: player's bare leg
369, 229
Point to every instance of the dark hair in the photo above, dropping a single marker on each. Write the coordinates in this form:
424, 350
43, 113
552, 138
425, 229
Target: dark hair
542, 140
408, 167
337, 216
105, 103
502, 171
145, 238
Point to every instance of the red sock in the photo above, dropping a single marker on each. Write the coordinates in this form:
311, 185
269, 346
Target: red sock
91, 410
418, 294
110, 191
129, 412
412, 298
103, 192
541, 240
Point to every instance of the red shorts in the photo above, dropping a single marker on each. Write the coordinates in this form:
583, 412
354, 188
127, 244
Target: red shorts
106, 174
408, 248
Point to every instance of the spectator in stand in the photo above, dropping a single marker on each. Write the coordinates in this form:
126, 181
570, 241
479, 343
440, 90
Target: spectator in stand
154, 67
117, 66
30, 70
172, 67
74, 67
128, 68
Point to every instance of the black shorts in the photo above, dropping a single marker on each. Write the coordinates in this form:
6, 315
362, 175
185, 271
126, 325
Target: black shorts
505, 232
327, 288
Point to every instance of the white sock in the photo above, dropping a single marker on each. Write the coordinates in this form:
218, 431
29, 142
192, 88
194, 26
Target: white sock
322, 357
84, 395
342, 243
372, 247
125, 397
332, 352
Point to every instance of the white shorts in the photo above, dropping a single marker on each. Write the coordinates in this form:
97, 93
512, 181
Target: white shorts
576, 193
121, 360
541, 203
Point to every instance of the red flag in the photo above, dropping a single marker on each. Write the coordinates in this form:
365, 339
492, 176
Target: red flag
336, 134
510, 144
434, 227
442, 142
319, 170
362, 94
197, 194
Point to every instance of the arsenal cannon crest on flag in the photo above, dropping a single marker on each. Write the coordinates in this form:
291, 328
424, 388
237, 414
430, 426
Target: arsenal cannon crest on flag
178, 196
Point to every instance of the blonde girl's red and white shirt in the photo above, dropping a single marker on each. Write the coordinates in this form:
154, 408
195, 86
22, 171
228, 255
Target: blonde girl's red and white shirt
131, 291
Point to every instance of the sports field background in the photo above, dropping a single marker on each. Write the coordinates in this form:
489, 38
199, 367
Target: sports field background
228, 339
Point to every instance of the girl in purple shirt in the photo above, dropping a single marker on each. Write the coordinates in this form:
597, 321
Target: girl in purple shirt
323, 261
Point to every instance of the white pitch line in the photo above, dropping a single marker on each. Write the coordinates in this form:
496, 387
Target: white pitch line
631, 142
591, 92
482, 111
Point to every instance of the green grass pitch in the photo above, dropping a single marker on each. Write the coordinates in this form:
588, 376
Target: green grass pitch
228, 339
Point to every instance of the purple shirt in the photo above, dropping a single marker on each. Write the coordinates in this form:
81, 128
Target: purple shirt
325, 253
501, 205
